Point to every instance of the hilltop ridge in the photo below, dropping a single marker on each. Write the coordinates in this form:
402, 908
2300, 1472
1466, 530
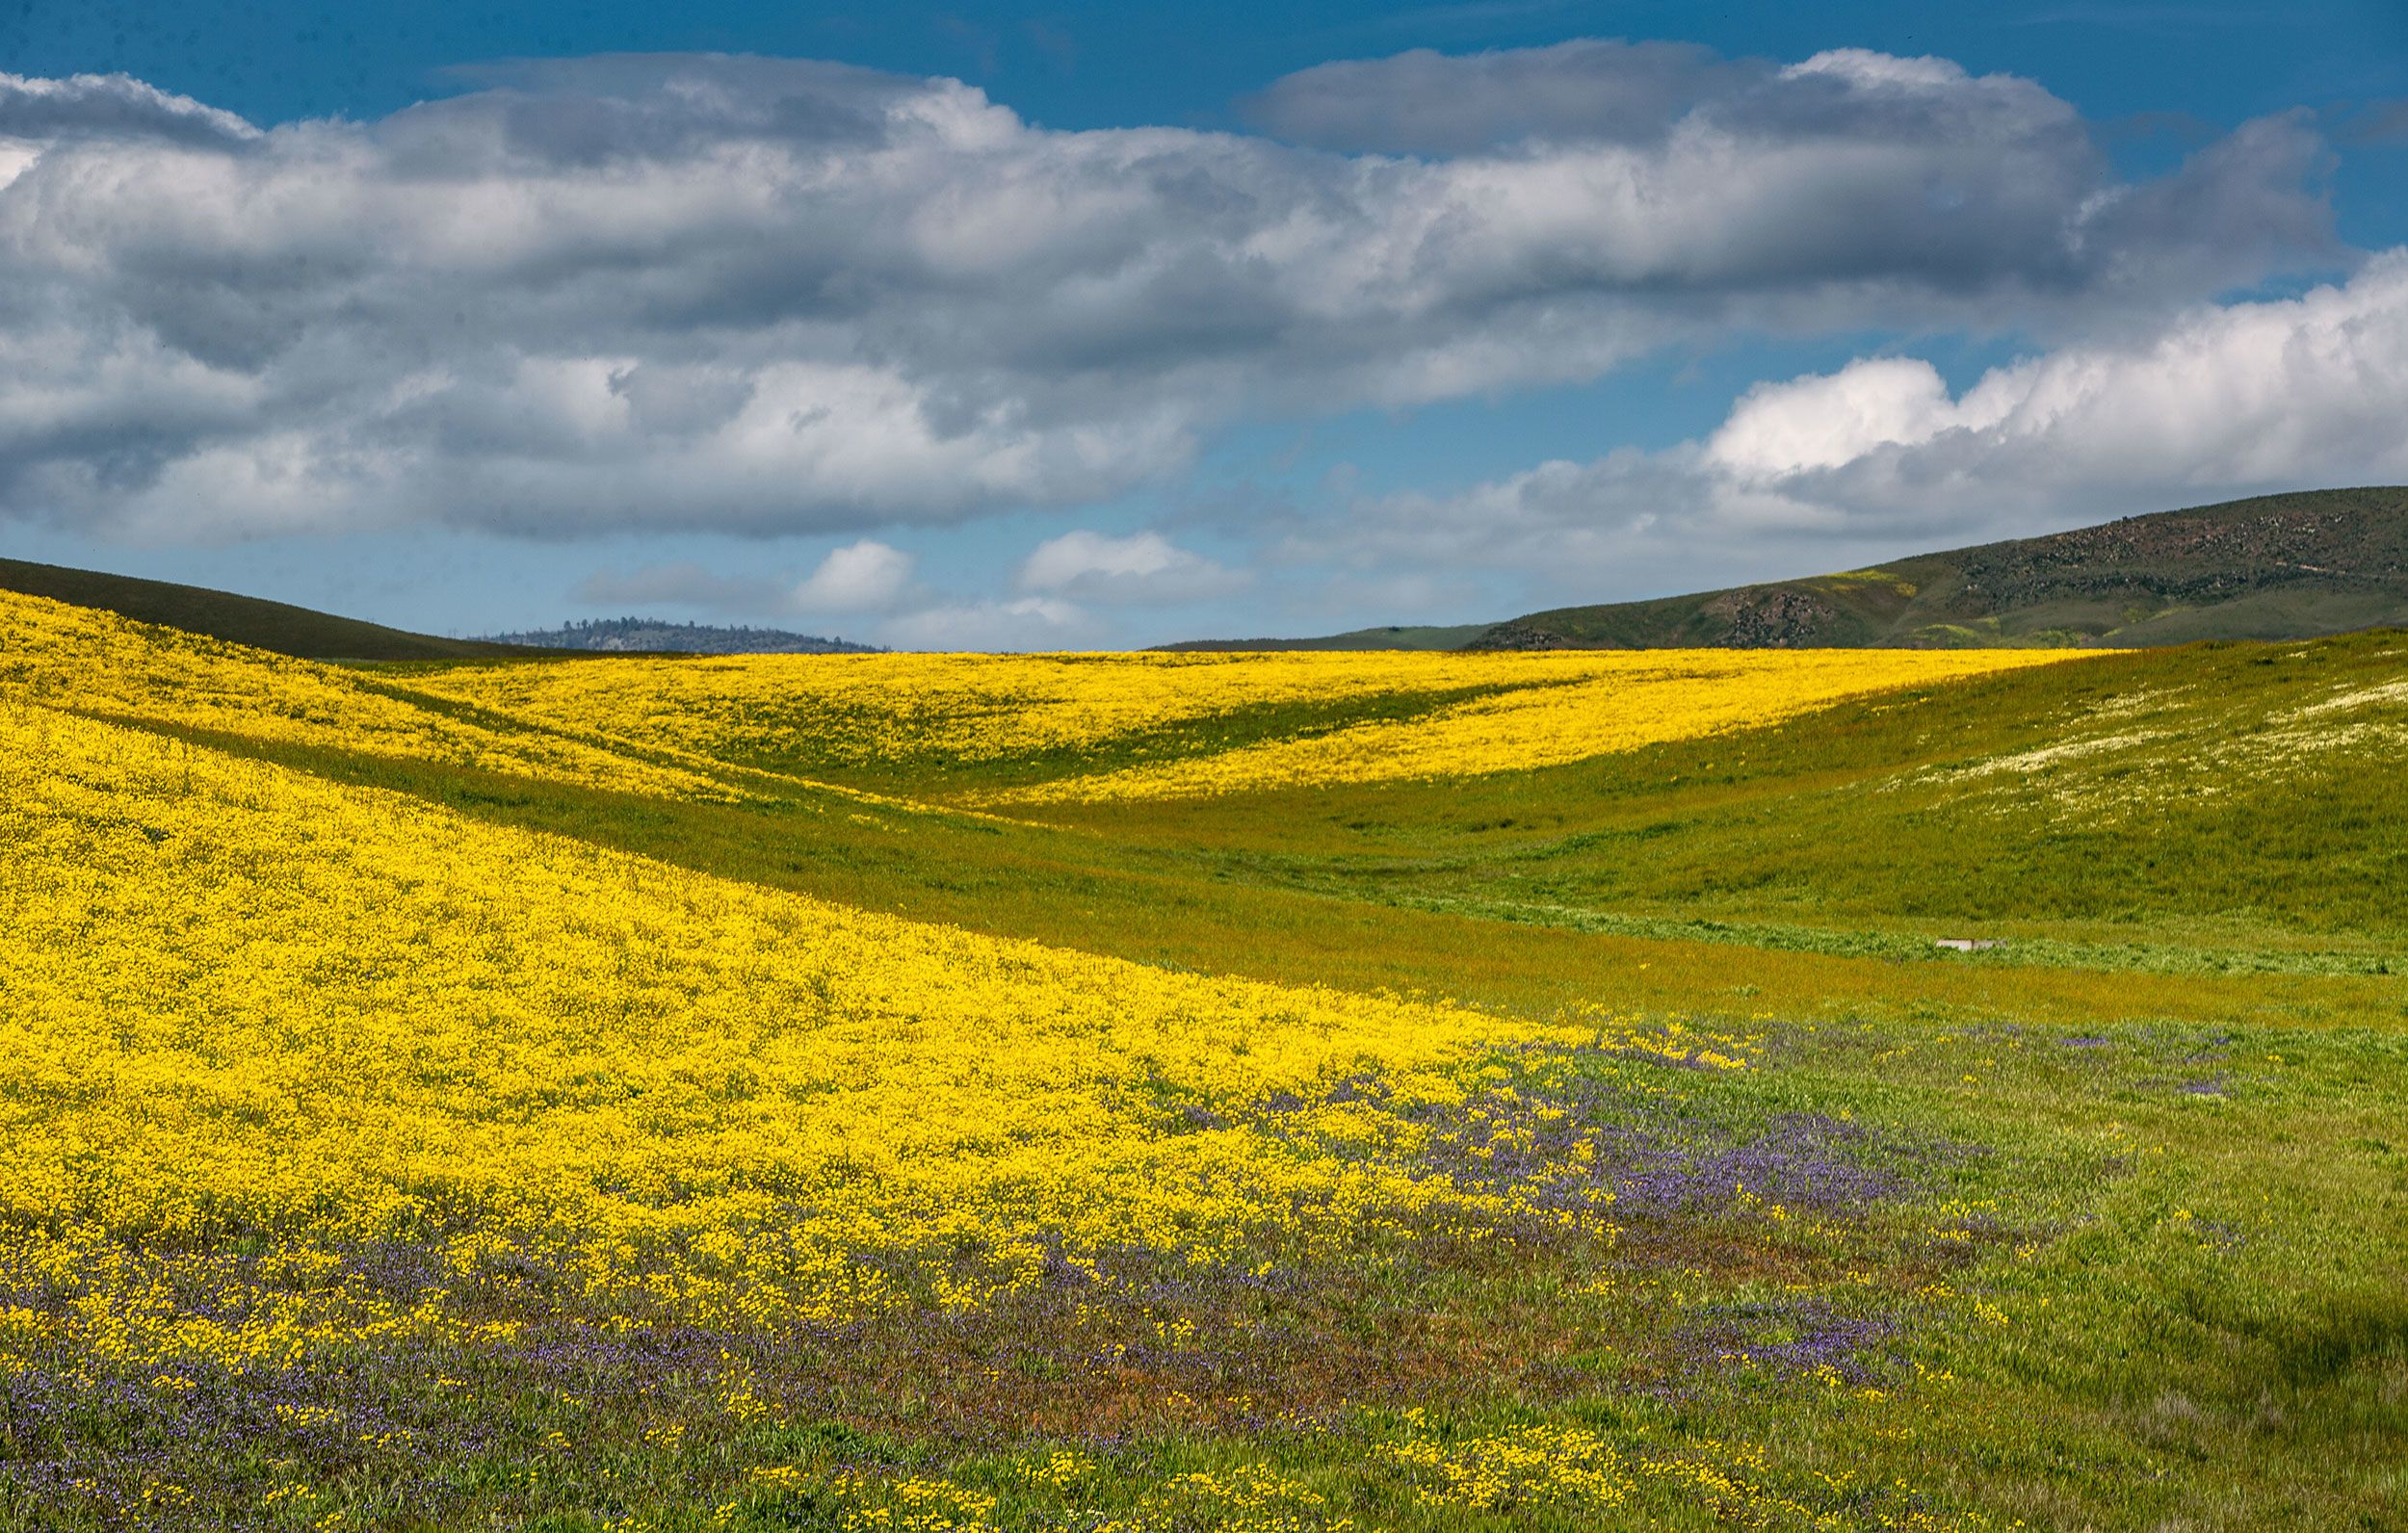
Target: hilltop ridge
2275, 566
249, 620
308, 634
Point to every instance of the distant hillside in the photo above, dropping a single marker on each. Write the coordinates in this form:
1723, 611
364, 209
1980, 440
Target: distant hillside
1459, 637
277, 626
653, 636
2279, 566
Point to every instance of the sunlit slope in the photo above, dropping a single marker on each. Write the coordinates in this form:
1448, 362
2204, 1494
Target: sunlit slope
2146, 809
376, 1167
247, 620
987, 729
417, 1115
2225, 803
1611, 704
95, 663
340, 1138
246, 1003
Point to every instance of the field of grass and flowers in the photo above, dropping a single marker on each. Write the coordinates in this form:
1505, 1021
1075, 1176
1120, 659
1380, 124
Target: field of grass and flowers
1296, 1092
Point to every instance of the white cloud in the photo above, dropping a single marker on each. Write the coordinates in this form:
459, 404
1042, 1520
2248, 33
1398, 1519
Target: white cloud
1880, 459
1815, 423
1024, 623
1430, 103
863, 577
777, 296
109, 105
1141, 567
2250, 396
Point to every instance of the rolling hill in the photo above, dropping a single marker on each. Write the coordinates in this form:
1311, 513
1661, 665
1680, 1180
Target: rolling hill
2278, 566
277, 626
725, 1096
1392, 637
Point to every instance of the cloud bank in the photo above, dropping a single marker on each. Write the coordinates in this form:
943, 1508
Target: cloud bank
1141, 567
767, 295
1880, 455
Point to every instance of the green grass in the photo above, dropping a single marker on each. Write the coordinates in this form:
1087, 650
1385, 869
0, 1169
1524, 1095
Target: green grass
2195, 827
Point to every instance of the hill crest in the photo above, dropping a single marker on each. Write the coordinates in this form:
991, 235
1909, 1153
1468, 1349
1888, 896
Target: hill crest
2275, 567
252, 621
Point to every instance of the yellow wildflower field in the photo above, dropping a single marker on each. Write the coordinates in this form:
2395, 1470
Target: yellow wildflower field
366, 1149
94, 663
245, 1003
1600, 705
1445, 714
968, 708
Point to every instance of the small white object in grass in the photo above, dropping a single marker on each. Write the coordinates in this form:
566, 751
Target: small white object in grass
1970, 943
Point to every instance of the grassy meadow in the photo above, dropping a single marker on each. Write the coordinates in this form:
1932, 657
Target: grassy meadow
1311, 1091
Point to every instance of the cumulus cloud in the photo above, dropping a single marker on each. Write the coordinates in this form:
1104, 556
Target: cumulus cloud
1141, 567
1424, 102
1022, 623
863, 577
1823, 471
2310, 390
111, 106
778, 296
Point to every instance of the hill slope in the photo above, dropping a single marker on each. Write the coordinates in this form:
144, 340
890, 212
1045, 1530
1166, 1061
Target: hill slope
1458, 637
2280, 566
277, 626
2276, 567
552, 1076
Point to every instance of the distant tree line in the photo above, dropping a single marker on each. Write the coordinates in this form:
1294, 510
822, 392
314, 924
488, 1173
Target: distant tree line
686, 637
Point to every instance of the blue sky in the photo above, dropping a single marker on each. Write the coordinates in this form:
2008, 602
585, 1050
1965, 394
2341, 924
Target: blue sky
1388, 314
